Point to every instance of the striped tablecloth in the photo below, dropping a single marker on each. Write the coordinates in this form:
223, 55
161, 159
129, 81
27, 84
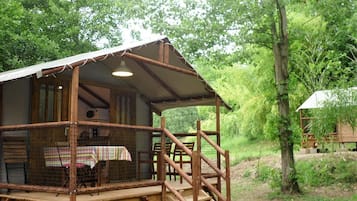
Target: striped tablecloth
88, 155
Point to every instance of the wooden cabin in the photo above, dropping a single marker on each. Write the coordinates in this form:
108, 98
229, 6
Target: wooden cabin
71, 130
343, 133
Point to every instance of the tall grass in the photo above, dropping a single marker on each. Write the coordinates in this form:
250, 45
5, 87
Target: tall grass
241, 148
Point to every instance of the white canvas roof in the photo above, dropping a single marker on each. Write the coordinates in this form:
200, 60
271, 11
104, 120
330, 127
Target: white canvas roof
319, 98
68, 61
176, 84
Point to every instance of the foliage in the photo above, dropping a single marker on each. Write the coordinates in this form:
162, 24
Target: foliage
316, 172
327, 171
340, 108
179, 120
242, 149
271, 175
34, 31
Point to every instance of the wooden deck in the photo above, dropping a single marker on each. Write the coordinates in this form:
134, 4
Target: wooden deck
152, 193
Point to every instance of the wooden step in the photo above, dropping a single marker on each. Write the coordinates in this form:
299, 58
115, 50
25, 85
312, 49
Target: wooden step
187, 194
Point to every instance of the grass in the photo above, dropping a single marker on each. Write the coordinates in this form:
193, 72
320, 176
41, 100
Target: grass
336, 173
309, 198
242, 149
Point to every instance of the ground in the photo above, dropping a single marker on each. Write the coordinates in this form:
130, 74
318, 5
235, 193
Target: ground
245, 187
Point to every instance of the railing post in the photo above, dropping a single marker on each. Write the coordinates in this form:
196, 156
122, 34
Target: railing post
218, 129
228, 176
199, 145
196, 174
161, 171
196, 178
73, 133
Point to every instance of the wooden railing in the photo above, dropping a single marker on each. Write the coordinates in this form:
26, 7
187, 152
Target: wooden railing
197, 179
63, 124
224, 175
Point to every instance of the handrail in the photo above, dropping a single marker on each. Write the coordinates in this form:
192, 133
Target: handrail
116, 125
174, 191
68, 123
178, 169
197, 179
34, 126
178, 142
218, 171
214, 145
225, 176
188, 134
212, 188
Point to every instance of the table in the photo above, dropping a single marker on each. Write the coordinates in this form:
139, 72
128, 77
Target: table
87, 155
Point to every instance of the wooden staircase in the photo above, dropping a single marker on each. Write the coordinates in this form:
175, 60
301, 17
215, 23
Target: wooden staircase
188, 196
196, 179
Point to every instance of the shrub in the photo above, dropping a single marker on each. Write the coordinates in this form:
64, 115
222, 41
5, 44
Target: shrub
327, 171
270, 175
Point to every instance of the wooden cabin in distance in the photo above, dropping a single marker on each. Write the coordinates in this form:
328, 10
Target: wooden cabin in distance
344, 133
77, 119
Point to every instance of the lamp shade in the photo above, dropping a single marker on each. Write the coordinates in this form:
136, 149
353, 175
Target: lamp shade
122, 70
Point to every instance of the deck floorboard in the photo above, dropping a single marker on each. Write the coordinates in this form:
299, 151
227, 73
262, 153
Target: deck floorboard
121, 194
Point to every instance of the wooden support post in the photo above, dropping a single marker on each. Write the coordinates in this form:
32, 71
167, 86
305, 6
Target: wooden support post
1, 122
199, 150
164, 54
162, 169
228, 176
218, 129
302, 128
73, 133
199, 144
196, 174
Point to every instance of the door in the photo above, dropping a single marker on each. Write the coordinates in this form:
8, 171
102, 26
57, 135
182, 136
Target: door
123, 111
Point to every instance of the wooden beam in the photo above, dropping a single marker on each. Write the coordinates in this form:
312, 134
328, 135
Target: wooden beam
161, 52
218, 129
164, 52
160, 64
228, 176
161, 165
196, 174
34, 126
1, 110
73, 133
119, 186
1, 105
197, 98
26, 187
91, 92
116, 125
157, 79
85, 101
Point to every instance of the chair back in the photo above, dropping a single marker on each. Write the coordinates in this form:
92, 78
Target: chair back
157, 148
14, 150
179, 151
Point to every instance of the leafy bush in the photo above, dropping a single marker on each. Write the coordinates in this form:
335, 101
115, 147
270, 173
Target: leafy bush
315, 172
270, 175
327, 171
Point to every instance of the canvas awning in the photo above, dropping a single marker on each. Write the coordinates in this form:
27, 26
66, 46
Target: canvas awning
161, 74
319, 98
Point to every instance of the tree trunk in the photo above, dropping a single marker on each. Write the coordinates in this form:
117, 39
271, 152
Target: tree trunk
280, 50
